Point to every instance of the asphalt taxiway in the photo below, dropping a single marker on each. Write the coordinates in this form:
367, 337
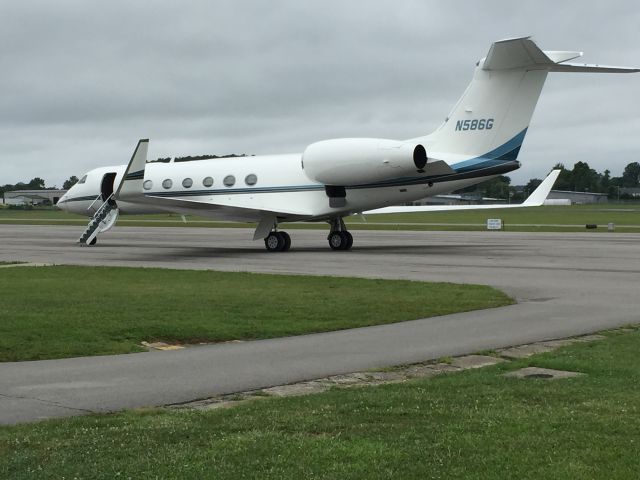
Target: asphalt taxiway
566, 284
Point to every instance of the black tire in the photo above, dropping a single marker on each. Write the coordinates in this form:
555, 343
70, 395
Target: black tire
94, 241
337, 240
287, 241
274, 242
349, 240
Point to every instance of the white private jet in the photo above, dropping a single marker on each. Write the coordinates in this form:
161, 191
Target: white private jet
332, 179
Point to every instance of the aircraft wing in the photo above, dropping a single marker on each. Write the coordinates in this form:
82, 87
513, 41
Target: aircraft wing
536, 199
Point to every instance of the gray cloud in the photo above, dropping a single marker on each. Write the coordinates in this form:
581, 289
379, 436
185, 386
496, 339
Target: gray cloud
82, 81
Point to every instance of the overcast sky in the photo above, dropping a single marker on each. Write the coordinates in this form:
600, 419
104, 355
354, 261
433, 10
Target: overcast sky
82, 81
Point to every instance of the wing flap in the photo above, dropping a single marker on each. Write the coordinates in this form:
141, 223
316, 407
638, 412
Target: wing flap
523, 53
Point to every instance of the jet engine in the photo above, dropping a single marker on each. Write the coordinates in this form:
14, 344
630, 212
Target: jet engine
357, 161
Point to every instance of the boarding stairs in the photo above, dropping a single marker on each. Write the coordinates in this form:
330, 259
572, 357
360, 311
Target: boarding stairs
103, 219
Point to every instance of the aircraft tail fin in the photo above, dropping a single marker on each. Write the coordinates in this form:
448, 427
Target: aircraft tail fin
489, 122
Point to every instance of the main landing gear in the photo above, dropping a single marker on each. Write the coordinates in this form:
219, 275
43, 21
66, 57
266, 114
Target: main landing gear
277, 242
339, 237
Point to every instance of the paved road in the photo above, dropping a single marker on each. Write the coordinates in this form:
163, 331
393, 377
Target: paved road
566, 284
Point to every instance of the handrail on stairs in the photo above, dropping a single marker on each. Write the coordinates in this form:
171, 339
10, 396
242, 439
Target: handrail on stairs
93, 203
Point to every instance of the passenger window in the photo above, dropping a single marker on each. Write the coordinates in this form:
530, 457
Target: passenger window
207, 182
229, 181
187, 182
251, 179
147, 185
167, 184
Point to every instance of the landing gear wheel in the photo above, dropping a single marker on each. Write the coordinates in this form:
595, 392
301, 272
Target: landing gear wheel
339, 240
287, 241
274, 242
349, 240
94, 241
277, 242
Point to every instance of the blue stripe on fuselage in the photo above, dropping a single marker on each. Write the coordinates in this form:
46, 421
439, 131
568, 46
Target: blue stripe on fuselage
507, 152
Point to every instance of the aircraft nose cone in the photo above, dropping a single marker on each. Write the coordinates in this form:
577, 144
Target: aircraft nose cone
61, 203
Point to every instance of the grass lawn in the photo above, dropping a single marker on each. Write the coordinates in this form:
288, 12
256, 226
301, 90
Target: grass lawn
473, 425
66, 311
572, 218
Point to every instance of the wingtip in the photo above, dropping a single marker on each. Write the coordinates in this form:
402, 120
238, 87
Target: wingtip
541, 193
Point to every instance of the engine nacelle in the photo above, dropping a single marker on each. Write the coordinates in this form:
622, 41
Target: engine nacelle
356, 161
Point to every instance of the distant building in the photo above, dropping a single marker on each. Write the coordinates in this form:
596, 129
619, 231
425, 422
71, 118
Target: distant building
630, 191
33, 197
578, 197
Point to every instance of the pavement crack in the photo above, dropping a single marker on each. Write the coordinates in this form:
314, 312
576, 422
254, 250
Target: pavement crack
48, 402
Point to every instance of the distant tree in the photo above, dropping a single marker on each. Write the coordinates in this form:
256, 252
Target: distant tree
631, 175
70, 183
497, 187
605, 181
35, 184
565, 179
531, 186
609, 185
584, 178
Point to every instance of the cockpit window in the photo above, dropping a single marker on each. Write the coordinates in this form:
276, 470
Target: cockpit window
83, 179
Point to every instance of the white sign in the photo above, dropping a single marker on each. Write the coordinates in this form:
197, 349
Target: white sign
494, 224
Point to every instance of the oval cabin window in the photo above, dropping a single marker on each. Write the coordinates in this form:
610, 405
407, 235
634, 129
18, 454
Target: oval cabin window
167, 183
229, 181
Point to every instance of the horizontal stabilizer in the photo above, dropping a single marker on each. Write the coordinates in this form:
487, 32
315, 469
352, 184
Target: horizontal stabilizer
587, 68
523, 53
536, 199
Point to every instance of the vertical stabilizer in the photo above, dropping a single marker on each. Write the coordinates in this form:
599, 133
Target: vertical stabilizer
488, 124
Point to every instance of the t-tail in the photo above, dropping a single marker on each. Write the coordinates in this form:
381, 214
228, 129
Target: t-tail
487, 126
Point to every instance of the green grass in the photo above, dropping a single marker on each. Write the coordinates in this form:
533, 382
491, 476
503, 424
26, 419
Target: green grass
66, 311
472, 425
573, 218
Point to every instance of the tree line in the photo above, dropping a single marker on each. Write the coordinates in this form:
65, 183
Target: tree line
36, 183
581, 178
